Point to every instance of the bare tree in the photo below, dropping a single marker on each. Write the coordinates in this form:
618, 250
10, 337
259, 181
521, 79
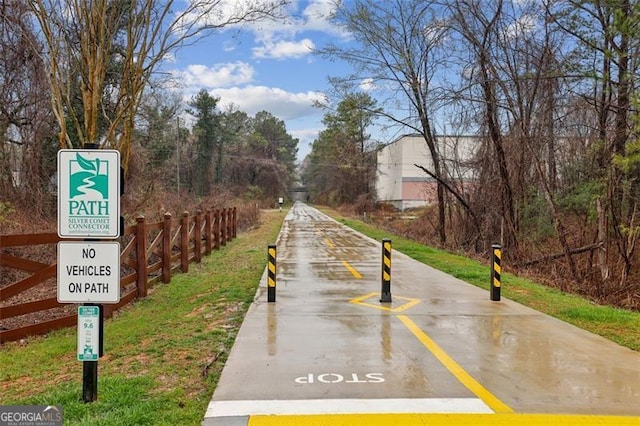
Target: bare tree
604, 61
85, 38
479, 25
398, 50
25, 119
511, 76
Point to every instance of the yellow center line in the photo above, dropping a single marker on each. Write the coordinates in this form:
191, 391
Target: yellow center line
352, 269
465, 378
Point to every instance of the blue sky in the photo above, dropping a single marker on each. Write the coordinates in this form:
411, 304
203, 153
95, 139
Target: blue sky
268, 66
272, 66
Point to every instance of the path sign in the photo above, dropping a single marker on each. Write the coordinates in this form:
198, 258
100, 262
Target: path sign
88, 272
88, 193
88, 333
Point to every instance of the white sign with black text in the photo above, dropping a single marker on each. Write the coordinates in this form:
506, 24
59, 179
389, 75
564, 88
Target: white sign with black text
88, 272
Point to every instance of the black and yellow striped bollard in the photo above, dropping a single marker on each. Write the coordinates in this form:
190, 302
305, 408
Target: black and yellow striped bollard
385, 296
496, 270
271, 275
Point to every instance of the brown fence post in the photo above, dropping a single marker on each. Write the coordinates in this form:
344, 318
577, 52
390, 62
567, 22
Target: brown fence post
235, 223
227, 236
216, 229
229, 224
223, 227
207, 232
197, 237
141, 256
184, 243
166, 248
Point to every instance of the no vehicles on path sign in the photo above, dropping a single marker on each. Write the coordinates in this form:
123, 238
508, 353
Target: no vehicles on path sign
88, 272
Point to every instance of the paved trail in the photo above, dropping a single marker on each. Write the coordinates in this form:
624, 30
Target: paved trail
328, 352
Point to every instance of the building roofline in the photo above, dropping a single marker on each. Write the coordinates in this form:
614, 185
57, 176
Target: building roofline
418, 135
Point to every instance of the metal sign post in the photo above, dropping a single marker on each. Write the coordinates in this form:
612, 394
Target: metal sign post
89, 190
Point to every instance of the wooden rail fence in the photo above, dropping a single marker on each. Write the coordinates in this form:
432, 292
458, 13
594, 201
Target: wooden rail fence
150, 253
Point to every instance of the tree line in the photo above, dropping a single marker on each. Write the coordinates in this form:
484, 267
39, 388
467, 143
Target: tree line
549, 87
550, 90
249, 156
83, 72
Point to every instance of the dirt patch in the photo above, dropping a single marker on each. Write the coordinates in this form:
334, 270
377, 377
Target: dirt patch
198, 311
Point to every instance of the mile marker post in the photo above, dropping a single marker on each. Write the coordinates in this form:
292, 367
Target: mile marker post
90, 368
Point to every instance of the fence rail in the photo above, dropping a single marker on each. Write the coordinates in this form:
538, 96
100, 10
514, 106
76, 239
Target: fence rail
150, 253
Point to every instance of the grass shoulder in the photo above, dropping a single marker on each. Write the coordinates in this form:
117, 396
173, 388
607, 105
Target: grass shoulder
163, 354
619, 325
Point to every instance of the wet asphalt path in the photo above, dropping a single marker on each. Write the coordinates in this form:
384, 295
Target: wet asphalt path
328, 352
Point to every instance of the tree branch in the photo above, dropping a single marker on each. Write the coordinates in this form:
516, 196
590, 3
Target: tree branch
555, 256
452, 190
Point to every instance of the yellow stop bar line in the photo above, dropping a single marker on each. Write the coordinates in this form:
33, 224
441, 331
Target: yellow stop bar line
454, 368
422, 419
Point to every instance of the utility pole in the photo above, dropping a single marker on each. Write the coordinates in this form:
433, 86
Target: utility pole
178, 151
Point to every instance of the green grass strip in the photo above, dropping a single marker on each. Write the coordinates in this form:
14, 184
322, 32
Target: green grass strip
619, 325
163, 354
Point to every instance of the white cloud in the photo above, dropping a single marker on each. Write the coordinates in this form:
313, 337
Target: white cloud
284, 49
368, 85
274, 38
305, 137
522, 26
218, 13
220, 75
284, 105
317, 17
170, 58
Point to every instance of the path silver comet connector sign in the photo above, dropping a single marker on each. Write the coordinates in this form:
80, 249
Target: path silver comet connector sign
88, 193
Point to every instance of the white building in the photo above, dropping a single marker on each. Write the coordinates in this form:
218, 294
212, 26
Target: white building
400, 183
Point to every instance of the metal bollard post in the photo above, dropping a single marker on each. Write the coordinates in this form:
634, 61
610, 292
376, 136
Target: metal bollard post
271, 283
496, 269
385, 296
